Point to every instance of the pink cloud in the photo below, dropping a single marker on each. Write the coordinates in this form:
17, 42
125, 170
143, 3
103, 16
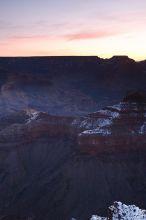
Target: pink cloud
86, 35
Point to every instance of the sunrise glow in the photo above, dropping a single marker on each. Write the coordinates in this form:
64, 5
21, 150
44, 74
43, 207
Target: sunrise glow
79, 27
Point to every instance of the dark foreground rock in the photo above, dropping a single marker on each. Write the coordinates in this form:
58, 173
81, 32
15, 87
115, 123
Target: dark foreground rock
119, 211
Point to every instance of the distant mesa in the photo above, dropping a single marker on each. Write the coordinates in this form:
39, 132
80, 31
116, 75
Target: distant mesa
121, 58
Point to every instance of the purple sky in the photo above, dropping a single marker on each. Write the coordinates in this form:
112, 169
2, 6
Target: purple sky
74, 27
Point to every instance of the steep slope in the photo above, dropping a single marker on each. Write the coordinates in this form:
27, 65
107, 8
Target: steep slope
120, 127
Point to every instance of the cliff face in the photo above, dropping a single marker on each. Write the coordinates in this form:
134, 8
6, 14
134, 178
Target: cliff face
119, 127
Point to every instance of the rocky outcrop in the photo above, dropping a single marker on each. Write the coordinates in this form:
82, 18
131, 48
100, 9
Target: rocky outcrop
120, 127
120, 211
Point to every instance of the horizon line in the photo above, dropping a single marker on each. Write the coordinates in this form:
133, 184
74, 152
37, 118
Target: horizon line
41, 56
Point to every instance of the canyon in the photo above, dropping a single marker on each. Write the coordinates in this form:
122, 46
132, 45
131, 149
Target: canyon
70, 144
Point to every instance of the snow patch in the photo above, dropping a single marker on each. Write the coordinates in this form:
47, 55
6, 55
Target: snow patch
86, 124
100, 131
95, 217
143, 129
103, 122
117, 106
126, 212
33, 115
109, 113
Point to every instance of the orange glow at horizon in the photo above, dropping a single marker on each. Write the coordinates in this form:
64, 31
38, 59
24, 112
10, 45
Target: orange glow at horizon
79, 27
132, 45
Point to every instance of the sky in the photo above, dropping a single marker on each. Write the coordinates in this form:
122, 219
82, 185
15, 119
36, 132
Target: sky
73, 27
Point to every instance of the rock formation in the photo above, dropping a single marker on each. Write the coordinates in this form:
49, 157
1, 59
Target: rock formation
120, 127
119, 211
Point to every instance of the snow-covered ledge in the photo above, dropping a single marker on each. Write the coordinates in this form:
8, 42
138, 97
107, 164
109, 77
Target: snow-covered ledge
119, 211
